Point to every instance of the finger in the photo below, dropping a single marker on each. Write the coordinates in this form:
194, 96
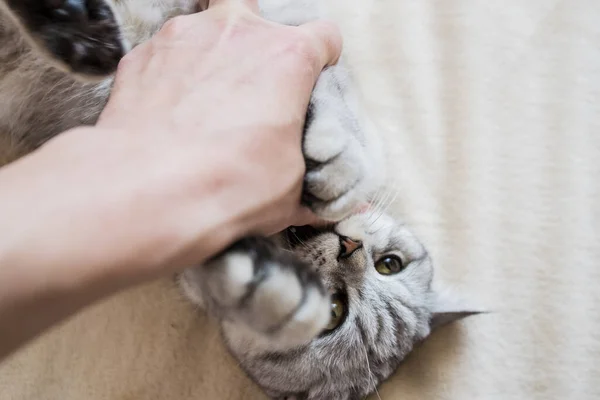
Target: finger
328, 41
306, 217
250, 4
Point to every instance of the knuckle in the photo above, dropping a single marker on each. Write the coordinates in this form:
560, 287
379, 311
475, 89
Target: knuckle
128, 61
134, 58
301, 46
301, 56
174, 27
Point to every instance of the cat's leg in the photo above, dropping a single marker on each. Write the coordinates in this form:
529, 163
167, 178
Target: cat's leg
80, 36
259, 289
344, 159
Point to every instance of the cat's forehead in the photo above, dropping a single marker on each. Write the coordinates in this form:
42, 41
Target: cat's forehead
382, 233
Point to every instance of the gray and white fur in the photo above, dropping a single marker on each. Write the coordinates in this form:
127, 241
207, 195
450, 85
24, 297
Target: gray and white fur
310, 314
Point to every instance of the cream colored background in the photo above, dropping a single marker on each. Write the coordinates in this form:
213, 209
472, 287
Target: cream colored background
491, 112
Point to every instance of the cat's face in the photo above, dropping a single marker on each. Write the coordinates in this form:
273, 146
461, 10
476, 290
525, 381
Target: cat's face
379, 276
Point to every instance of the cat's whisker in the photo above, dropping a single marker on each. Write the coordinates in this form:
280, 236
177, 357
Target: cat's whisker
386, 207
377, 199
371, 378
389, 204
375, 215
287, 250
382, 201
304, 245
380, 213
391, 194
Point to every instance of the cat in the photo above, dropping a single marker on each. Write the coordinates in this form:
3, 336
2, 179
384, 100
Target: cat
313, 313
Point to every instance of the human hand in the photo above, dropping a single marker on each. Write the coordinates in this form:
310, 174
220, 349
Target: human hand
198, 145
250, 92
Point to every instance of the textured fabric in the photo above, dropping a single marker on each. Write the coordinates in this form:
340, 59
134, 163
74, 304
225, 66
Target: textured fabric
491, 110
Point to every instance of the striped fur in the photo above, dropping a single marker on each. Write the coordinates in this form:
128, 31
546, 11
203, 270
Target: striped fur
387, 315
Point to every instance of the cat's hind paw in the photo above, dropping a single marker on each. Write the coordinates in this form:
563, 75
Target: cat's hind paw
264, 288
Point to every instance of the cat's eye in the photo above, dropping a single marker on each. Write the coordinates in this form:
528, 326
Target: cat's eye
389, 265
338, 313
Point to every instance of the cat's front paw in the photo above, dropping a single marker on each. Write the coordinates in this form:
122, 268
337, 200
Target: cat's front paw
83, 36
339, 173
256, 284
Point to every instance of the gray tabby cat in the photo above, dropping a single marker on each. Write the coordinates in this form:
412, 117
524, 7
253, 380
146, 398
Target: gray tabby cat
311, 314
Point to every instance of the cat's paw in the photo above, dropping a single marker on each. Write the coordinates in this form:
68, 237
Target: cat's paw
82, 36
264, 288
338, 176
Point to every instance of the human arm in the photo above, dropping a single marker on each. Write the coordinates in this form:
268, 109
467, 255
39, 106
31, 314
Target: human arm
198, 145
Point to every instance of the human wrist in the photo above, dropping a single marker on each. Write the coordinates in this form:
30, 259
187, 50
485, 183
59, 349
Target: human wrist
106, 244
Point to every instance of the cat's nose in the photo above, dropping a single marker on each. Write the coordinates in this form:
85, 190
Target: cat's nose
348, 246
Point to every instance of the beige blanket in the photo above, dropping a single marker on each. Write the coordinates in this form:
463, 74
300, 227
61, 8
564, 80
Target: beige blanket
491, 110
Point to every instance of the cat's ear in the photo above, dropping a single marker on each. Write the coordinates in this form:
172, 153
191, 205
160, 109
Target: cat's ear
447, 308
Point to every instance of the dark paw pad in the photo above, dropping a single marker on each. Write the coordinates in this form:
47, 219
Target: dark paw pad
83, 35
